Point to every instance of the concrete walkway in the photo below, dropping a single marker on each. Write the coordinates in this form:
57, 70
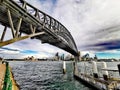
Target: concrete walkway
2, 74
14, 84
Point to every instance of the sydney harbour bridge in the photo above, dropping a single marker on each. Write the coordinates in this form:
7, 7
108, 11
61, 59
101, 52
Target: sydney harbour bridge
26, 21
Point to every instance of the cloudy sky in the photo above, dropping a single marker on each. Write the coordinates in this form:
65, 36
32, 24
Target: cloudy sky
94, 25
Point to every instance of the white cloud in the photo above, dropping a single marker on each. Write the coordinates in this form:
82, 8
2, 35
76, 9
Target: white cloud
91, 54
87, 17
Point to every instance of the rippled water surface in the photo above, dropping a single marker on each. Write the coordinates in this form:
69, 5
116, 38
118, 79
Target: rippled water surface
45, 75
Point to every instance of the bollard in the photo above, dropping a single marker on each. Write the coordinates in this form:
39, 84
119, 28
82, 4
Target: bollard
119, 68
95, 71
105, 73
64, 67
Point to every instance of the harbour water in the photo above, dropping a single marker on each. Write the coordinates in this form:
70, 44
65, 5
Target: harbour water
45, 75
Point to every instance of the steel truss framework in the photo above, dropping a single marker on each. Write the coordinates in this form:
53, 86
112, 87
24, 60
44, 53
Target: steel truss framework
21, 17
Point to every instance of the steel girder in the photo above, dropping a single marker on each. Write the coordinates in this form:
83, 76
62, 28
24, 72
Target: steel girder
22, 17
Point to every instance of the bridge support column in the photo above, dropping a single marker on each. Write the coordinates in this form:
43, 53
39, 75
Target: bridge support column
75, 72
76, 58
11, 22
3, 34
32, 28
18, 27
75, 65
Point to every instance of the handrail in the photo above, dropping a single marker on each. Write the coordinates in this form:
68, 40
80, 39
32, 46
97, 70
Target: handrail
7, 81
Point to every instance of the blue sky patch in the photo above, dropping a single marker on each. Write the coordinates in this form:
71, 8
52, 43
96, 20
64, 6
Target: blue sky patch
29, 52
107, 55
53, 1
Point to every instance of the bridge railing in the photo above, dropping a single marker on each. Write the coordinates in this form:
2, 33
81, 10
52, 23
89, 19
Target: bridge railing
43, 18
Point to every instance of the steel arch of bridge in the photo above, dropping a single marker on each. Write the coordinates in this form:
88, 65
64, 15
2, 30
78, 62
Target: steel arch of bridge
22, 17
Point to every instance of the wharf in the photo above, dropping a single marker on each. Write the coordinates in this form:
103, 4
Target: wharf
94, 80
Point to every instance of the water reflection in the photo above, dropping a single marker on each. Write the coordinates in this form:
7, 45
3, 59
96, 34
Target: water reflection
46, 75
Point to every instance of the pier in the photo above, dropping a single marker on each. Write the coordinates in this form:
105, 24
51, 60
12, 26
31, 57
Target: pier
96, 81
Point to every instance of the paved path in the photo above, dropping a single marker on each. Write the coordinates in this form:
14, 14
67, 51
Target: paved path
2, 74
